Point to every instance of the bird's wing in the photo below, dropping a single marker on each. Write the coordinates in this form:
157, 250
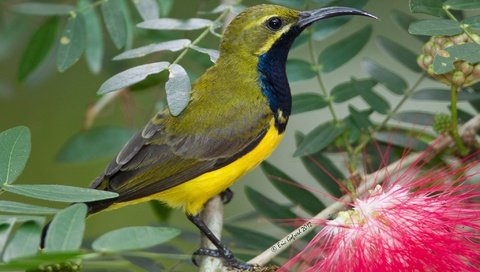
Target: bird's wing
167, 153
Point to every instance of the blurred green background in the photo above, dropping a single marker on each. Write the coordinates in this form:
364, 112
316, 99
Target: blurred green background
53, 106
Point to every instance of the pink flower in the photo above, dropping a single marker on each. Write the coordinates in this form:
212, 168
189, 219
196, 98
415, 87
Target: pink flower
415, 222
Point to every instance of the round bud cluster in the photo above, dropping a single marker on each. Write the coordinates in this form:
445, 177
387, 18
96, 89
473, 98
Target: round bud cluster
464, 74
441, 123
61, 267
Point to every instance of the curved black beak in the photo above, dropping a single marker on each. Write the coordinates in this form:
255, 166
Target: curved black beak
309, 17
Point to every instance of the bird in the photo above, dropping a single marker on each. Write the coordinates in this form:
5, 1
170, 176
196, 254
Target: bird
237, 115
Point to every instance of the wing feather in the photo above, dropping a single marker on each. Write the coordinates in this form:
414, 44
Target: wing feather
157, 159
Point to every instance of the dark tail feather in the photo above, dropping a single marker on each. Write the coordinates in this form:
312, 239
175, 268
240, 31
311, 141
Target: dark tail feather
100, 205
44, 235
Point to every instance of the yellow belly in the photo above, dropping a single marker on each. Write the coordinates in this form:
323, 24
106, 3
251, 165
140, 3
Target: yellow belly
193, 194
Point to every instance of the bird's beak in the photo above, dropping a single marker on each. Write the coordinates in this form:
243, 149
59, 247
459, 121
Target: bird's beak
309, 17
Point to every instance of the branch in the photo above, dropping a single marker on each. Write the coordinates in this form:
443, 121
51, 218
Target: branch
437, 145
212, 215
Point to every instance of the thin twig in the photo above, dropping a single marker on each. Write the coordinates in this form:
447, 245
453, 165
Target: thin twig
437, 145
94, 110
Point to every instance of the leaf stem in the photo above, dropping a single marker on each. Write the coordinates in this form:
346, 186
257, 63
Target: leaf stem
313, 59
454, 128
465, 28
202, 35
405, 97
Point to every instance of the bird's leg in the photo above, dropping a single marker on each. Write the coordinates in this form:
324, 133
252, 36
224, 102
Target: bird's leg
221, 252
227, 196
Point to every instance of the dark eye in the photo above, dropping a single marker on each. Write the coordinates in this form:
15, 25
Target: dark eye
274, 23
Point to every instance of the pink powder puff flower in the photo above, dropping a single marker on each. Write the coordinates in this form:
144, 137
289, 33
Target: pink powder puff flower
416, 221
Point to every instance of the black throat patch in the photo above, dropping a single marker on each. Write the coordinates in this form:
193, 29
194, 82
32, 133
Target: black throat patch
273, 78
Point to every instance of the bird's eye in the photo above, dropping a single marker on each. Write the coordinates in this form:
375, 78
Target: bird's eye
274, 23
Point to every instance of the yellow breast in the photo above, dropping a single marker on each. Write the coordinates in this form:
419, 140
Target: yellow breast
193, 194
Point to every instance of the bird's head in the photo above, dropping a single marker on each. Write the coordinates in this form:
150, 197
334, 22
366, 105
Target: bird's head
261, 37
258, 28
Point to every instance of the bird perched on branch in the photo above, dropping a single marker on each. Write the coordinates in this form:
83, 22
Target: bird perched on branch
237, 115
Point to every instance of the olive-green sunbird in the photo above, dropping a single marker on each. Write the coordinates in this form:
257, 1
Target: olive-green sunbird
238, 111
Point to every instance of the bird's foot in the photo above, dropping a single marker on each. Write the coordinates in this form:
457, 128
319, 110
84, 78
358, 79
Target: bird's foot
225, 254
227, 196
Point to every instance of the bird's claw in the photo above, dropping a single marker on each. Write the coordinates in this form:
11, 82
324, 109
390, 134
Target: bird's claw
227, 196
225, 254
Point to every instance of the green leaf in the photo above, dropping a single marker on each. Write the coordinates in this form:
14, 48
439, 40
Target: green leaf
437, 27
360, 118
38, 48
93, 144
12, 33
307, 102
148, 9
6, 226
430, 7
22, 218
72, 43
22, 208
353, 131
389, 79
322, 169
346, 91
401, 139
178, 89
444, 60
443, 95
59, 193
212, 53
173, 46
299, 70
175, 24
161, 210
462, 4
404, 20
415, 117
291, 189
344, 50
133, 238
473, 22
319, 138
94, 39
343, 92
65, 232
269, 208
24, 242
132, 76
250, 238
297, 4
39, 260
125, 9
399, 52
325, 28
48, 9
115, 22
376, 101
301, 39
14, 152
